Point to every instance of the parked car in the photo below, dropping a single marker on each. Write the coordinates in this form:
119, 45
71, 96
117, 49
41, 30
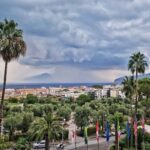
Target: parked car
123, 131
104, 135
40, 144
113, 133
60, 146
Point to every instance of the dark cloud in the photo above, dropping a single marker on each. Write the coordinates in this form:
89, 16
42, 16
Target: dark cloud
97, 34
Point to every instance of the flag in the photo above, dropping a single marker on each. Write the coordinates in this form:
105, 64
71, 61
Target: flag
97, 131
107, 131
73, 136
118, 130
85, 135
135, 127
128, 130
143, 124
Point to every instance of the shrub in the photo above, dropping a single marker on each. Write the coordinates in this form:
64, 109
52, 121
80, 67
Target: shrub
13, 100
22, 144
31, 99
16, 108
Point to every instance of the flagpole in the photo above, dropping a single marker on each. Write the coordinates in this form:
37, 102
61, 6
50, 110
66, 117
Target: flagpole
143, 130
75, 141
75, 138
97, 133
135, 132
128, 142
143, 143
116, 135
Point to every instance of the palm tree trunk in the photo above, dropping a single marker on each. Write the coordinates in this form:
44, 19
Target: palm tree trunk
136, 100
46, 142
2, 98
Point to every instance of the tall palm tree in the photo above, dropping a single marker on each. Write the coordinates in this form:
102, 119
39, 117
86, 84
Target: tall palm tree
47, 127
12, 46
137, 64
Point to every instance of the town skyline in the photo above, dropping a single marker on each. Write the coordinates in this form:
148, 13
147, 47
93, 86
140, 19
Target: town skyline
74, 41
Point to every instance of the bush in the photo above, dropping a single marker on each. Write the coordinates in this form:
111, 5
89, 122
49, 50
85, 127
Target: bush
147, 146
31, 99
13, 100
4, 144
16, 108
22, 144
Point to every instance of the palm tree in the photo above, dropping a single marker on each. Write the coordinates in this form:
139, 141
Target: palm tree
11, 124
129, 88
137, 64
47, 127
12, 46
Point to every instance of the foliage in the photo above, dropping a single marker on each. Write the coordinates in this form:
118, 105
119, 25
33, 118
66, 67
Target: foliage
22, 144
97, 86
82, 99
13, 100
82, 116
129, 87
11, 123
26, 121
144, 87
49, 126
64, 112
31, 99
4, 144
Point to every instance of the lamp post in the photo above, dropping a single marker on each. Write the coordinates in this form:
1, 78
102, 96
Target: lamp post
64, 120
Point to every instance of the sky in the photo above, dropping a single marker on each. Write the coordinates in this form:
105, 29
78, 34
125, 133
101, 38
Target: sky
77, 40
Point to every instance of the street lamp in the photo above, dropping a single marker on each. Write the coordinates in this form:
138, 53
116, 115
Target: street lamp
64, 120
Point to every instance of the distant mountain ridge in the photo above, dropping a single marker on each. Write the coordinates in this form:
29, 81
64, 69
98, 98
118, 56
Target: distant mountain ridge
119, 80
44, 77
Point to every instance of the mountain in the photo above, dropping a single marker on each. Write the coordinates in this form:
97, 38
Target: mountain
40, 78
119, 80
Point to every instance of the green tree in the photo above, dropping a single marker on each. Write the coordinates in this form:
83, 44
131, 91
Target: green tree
82, 99
137, 64
96, 86
47, 127
144, 87
26, 121
12, 46
82, 116
64, 112
11, 123
31, 99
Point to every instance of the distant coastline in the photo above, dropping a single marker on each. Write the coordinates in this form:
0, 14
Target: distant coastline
40, 85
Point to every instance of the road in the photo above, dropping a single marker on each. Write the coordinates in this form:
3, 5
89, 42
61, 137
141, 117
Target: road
92, 145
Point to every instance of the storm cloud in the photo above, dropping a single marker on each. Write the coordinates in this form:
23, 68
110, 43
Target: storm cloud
86, 35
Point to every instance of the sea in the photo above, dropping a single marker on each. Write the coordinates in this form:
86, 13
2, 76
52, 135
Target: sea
46, 85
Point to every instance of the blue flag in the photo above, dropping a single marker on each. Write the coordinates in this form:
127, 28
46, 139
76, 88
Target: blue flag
107, 131
128, 130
